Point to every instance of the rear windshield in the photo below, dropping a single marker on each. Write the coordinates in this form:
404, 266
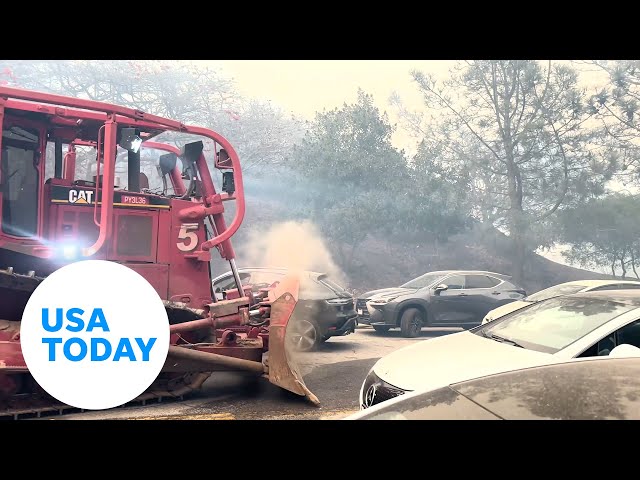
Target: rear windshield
331, 284
554, 292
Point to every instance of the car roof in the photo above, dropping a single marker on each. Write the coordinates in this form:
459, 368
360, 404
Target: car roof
469, 272
598, 283
626, 297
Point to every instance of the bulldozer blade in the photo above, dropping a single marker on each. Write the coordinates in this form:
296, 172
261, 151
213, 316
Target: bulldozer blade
283, 370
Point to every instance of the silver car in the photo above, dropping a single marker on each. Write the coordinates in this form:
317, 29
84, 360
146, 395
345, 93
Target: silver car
559, 329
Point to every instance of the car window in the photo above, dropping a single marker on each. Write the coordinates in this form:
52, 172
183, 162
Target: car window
229, 283
422, 281
480, 281
314, 290
555, 291
629, 334
331, 284
614, 286
554, 324
455, 282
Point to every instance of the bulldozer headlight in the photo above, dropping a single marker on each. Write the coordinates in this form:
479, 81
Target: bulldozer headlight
70, 251
67, 251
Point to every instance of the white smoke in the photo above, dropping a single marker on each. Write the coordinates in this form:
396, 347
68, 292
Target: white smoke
296, 246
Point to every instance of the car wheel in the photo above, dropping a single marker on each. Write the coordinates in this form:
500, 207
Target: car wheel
411, 323
304, 335
381, 328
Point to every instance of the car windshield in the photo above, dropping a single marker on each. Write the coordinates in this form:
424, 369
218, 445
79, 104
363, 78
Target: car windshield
554, 324
555, 292
422, 281
331, 284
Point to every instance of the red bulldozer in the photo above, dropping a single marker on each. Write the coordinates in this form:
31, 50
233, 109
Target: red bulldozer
51, 218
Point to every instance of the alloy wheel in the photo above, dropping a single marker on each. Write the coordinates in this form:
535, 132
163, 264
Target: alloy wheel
304, 335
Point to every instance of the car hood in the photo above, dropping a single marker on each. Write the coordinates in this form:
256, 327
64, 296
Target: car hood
383, 292
438, 362
505, 309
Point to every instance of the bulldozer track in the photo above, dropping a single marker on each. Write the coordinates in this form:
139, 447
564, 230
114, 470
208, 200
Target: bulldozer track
19, 282
33, 405
37, 405
57, 410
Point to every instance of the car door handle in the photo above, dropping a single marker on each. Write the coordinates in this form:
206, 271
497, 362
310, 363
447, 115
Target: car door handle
496, 293
462, 294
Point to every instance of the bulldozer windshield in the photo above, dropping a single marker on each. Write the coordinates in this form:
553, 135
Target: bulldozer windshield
19, 182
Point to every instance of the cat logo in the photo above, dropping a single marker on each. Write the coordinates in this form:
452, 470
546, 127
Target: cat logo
80, 196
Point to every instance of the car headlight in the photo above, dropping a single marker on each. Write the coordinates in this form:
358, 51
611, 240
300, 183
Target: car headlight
383, 300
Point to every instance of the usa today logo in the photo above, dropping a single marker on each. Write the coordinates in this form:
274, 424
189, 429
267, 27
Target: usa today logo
95, 334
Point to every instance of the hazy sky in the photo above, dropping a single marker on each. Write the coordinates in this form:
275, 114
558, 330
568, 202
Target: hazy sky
304, 87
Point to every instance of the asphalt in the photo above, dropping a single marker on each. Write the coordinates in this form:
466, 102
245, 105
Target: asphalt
334, 373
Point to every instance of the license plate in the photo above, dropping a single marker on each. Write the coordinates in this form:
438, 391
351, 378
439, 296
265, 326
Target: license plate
359, 311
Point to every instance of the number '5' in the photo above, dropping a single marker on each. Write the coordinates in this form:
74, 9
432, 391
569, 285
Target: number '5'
187, 237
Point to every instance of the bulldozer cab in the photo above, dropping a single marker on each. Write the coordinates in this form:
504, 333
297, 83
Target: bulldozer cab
51, 218
20, 172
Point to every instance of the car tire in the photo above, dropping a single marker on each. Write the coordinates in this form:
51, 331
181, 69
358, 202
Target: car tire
411, 323
304, 336
381, 328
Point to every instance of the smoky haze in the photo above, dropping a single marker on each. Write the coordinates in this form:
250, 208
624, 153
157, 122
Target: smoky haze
294, 245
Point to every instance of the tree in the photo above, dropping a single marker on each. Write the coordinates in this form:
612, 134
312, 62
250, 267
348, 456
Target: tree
262, 134
604, 233
348, 155
514, 133
360, 184
616, 106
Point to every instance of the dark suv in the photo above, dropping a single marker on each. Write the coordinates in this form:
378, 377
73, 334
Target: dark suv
324, 309
448, 298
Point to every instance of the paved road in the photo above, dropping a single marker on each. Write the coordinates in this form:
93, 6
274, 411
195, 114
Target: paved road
334, 373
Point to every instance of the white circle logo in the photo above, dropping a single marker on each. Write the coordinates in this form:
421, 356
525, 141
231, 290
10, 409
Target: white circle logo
95, 334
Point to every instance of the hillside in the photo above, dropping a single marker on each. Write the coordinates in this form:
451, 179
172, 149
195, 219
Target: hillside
268, 238
379, 263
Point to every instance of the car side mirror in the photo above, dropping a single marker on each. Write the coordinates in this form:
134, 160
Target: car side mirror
441, 288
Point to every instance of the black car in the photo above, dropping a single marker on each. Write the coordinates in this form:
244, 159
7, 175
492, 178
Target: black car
324, 309
448, 298
600, 388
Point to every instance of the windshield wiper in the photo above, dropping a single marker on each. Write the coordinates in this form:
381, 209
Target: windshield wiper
500, 339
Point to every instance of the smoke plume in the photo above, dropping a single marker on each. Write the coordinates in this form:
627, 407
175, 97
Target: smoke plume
293, 245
